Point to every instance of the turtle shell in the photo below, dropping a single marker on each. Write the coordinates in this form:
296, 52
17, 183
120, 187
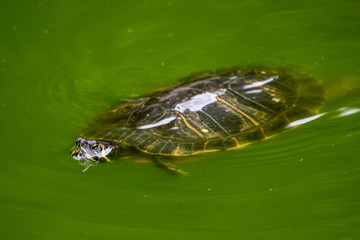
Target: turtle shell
212, 111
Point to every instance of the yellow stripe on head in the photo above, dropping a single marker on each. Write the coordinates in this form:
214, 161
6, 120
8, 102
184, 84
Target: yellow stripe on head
86, 153
103, 153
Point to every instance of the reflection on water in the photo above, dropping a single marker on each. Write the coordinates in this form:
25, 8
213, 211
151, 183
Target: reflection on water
304, 120
344, 111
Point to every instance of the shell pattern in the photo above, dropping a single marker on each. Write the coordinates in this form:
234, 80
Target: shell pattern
211, 111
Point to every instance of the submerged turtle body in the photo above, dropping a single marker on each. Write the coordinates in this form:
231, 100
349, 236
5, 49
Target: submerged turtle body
211, 111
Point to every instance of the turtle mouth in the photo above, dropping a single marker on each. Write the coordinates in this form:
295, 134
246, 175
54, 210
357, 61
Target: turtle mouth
78, 155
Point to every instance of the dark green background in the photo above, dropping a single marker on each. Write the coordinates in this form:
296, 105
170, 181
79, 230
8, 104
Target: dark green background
64, 62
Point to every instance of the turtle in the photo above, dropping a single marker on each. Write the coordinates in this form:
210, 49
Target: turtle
209, 111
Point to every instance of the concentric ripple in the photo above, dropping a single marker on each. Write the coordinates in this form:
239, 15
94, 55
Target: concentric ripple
52, 95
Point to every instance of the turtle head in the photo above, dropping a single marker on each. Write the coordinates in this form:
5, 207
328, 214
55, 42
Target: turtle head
91, 152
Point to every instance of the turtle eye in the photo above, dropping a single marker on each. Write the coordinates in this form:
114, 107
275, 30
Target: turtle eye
94, 146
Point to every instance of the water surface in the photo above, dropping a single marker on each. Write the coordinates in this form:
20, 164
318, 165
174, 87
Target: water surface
62, 64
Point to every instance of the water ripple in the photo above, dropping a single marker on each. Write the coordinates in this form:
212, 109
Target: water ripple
52, 95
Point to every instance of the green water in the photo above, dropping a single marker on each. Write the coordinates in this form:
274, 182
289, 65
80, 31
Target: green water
62, 63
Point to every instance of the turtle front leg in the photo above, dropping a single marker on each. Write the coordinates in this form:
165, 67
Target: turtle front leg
168, 165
